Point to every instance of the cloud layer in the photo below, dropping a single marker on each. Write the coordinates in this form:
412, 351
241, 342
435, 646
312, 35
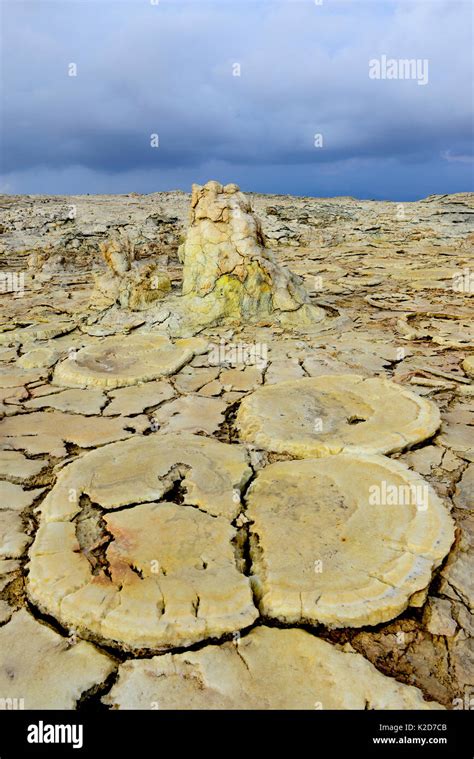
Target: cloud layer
169, 69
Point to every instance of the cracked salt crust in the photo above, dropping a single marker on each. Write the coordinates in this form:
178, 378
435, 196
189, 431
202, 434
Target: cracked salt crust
13, 540
40, 667
266, 669
15, 467
191, 413
47, 432
169, 574
75, 401
369, 266
330, 414
329, 546
136, 398
126, 360
15, 497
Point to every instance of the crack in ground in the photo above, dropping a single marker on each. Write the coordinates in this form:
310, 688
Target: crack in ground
93, 536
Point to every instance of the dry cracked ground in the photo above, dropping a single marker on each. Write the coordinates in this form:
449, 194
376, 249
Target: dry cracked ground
250, 491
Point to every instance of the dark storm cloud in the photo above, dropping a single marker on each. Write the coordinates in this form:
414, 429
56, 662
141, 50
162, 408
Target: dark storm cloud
167, 69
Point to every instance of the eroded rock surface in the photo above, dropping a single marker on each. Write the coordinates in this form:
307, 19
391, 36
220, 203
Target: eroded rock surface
118, 362
128, 283
227, 266
332, 414
42, 670
347, 541
167, 574
266, 669
396, 288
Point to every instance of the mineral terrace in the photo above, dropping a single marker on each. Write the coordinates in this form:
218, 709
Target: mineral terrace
236, 452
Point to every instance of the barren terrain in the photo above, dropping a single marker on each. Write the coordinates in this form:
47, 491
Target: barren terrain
184, 521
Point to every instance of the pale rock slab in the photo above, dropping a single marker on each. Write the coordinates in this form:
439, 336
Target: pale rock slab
8, 570
455, 332
423, 460
283, 370
144, 469
346, 541
75, 401
11, 398
451, 462
191, 379
14, 497
320, 416
38, 358
168, 576
266, 669
8, 354
190, 413
136, 398
127, 360
212, 389
14, 376
15, 467
457, 431
6, 612
42, 668
39, 331
37, 391
242, 380
48, 431
463, 497
321, 363
438, 617
457, 577
13, 539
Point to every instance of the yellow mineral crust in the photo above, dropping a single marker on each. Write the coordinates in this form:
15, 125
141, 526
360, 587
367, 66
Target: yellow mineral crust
40, 669
227, 270
329, 414
125, 360
169, 573
468, 365
345, 541
266, 669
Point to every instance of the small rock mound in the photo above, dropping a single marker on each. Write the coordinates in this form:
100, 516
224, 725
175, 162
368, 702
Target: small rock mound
127, 283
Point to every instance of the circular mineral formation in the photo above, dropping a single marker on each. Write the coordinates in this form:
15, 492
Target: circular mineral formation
346, 541
115, 562
124, 360
320, 416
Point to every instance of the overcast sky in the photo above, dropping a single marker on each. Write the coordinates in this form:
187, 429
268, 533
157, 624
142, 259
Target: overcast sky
168, 69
